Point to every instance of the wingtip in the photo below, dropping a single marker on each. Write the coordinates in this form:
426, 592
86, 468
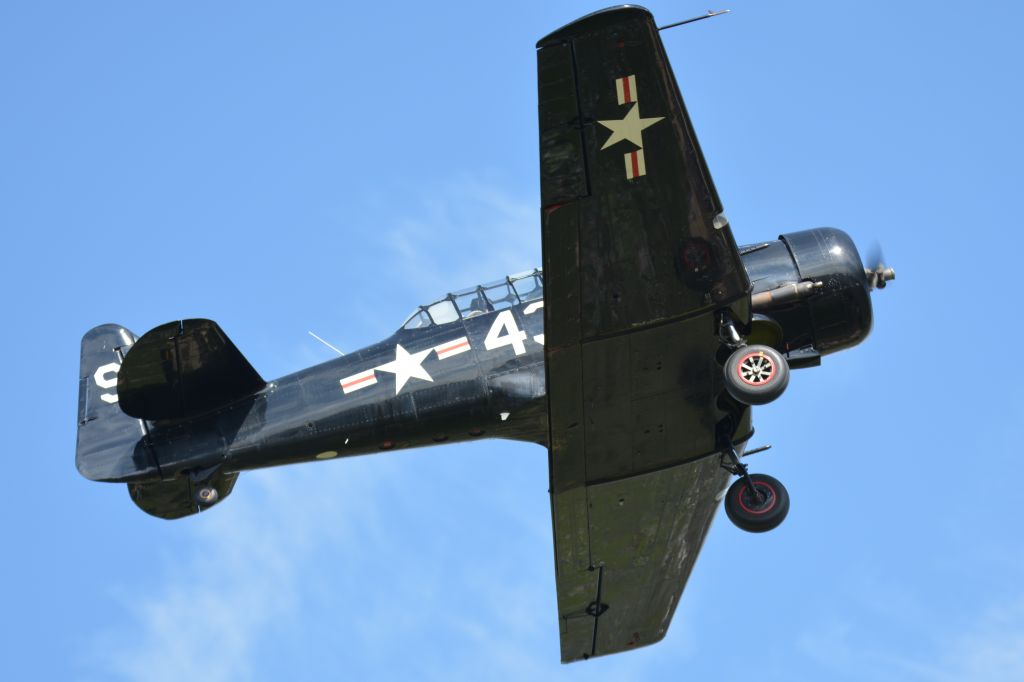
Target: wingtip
595, 20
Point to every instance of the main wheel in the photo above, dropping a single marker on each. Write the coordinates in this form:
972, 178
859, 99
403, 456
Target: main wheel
753, 513
755, 375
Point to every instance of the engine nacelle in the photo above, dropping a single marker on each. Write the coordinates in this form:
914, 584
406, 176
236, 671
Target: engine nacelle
814, 285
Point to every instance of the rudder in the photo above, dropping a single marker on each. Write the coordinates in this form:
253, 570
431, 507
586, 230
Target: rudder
110, 446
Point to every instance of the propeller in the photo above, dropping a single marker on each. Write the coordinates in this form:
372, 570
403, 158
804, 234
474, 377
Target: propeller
878, 273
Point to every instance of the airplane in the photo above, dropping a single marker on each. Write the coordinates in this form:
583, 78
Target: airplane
634, 355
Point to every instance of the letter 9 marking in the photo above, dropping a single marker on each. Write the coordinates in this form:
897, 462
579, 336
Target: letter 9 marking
106, 377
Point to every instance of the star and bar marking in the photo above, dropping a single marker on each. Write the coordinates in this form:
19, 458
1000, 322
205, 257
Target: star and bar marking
630, 127
405, 366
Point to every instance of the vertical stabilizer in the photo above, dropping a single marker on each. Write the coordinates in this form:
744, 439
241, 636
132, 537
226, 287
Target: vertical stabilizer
110, 446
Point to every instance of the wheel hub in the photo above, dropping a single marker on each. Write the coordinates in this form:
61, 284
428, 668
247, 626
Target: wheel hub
756, 369
207, 495
758, 500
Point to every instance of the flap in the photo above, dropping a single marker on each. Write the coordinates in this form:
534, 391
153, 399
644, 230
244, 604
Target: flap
623, 553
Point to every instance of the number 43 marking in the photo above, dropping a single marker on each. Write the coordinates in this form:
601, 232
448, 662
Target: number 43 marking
505, 332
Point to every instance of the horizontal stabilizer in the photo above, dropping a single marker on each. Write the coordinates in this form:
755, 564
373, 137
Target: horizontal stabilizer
183, 369
175, 499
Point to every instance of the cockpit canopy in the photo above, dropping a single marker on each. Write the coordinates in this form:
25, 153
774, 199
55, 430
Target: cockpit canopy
478, 300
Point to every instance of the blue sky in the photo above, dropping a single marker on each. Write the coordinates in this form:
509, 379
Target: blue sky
284, 167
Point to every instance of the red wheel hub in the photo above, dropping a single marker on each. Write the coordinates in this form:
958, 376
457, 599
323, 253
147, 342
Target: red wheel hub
746, 494
756, 368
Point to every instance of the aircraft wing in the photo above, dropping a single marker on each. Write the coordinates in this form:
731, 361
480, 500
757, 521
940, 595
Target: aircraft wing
637, 262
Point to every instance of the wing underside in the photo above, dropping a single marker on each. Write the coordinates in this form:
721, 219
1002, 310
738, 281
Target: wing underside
638, 262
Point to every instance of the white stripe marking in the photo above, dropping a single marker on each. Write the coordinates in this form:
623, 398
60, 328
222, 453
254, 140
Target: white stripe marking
625, 89
358, 381
447, 350
638, 158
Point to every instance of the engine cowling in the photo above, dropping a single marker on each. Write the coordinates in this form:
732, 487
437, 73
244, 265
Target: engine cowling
814, 286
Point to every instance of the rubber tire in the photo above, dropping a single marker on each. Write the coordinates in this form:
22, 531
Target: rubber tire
743, 512
749, 394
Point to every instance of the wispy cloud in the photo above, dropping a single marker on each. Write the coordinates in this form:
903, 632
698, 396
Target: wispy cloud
992, 649
442, 235
986, 646
241, 572
465, 233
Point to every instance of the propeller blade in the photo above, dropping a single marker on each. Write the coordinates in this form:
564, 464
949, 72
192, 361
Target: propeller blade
877, 271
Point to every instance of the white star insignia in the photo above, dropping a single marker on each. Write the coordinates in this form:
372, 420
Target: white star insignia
629, 128
406, 365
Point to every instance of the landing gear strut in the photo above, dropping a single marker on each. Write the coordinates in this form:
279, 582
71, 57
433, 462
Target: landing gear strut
754, 502
754, 375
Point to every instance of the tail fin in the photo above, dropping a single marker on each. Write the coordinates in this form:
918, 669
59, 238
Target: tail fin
110, 446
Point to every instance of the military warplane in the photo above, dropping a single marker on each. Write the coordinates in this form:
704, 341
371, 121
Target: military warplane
634, 355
